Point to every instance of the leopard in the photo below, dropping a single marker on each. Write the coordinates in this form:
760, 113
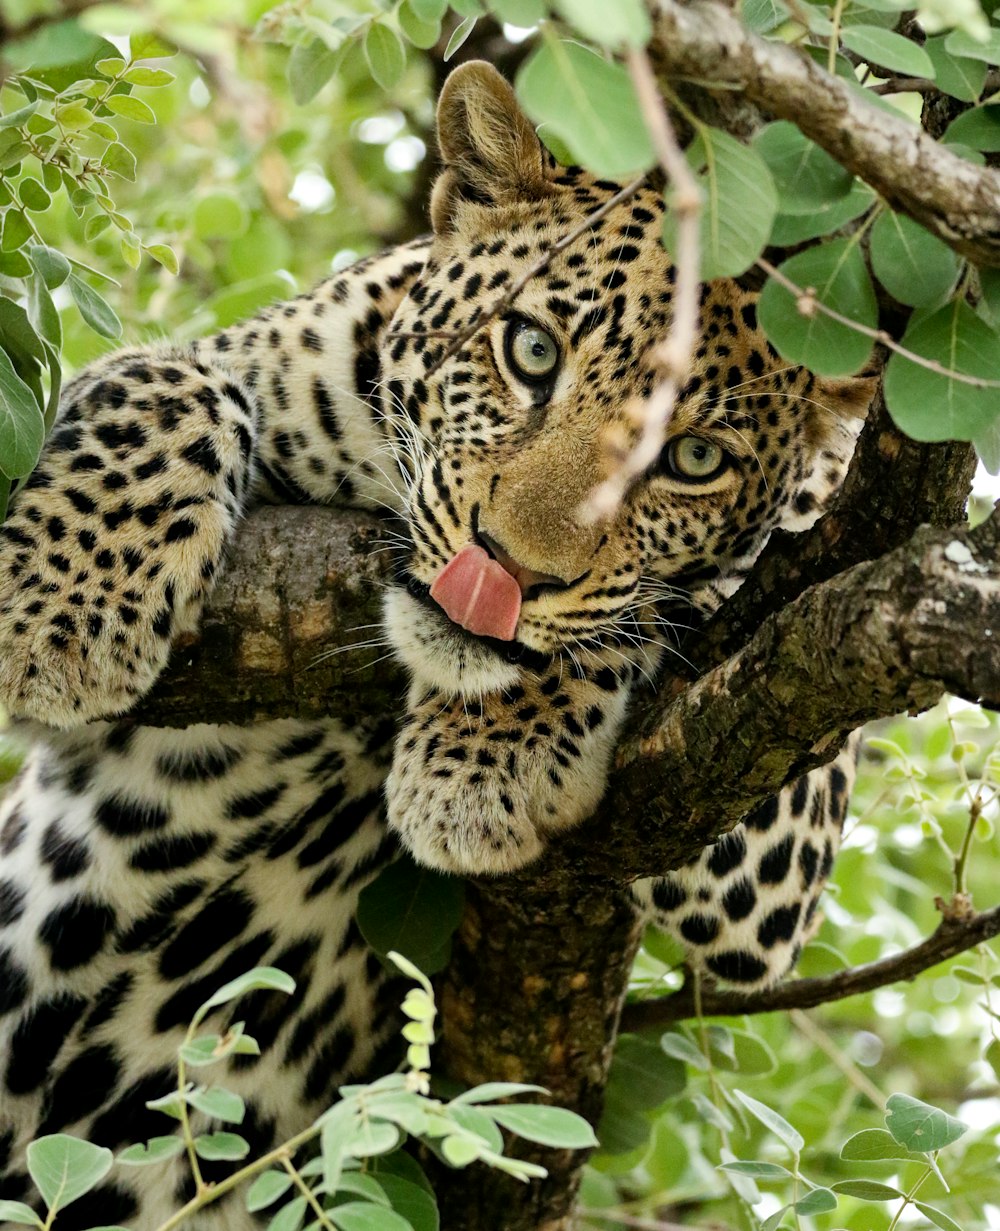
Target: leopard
142, 867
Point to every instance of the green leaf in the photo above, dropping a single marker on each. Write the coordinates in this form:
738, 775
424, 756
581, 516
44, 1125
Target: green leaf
422, 34
918, 1126
681, 1048
611, 25
131, 108
757, 1170
18, 118
888, 50
774, 1220
361, 1185
874, 1144
461, 33
836, 273
64, 1168
149, 47
770, 1119
866, 1190
411, 1201
550, 1126
310, 67
164, 256
913, 265
218, 1103
59, 54
94, 309
461, 1151
413, 911
590, 105
642, 1072
170, 1104
363, 1216
477, 1121
17, 332
711, 1114
22, 434
131, 249
739, 206
16, 231
154, 1151
370, 1137
290, 1216
267, 1188
806, 177
754, 1057
142, 74
109, 67
385, 54
220, 215
260, 979
934, 406
33, 196
992, 1056
430, 10
979, 128
119, 160
961, 43
17, 1211
51, 265
522, 13
937, 1217
227, 1146
959, 76
492, 1090
819, 1201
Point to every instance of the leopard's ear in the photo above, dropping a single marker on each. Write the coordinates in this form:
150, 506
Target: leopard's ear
490, 152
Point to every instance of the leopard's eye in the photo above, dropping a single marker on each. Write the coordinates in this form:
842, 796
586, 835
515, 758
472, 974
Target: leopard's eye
695, 459
531, 351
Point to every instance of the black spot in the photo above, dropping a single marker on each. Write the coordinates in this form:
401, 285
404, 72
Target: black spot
727, 853
128, 1119
779, 925
668, 895
182, 528
166, 854
739, 899
81, 1087
201, 453
65, 856
737, 966
179, 1008
220, 920
763, 816
75, 932
699, 929
800, 796
108, 1002
37, 1040
774, 864
11, 902
106, 1205
124, 818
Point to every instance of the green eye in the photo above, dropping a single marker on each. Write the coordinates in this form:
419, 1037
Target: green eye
691, 457
531, 351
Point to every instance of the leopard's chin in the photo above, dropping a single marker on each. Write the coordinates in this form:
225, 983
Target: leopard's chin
440, 655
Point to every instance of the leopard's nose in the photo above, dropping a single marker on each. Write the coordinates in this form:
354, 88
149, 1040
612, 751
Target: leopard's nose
532, 582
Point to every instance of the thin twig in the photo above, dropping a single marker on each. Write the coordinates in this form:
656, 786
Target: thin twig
633, 1220
673, 355
820, 1039
955, 934
508, 297
810, 304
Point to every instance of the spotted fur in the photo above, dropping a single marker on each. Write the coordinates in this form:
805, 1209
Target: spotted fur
140, 868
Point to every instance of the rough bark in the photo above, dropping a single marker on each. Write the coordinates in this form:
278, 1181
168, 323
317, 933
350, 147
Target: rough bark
960, 203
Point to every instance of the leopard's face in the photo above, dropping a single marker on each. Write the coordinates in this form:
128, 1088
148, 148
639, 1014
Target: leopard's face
511, 435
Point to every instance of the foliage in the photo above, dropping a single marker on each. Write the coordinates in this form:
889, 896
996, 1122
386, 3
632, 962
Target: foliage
358, 1180
302, 128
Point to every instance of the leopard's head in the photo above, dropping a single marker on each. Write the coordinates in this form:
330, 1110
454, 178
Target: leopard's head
509, 436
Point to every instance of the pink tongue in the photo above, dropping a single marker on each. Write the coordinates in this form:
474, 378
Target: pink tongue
478, 593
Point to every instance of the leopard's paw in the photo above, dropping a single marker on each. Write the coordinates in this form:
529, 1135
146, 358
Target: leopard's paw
470, 829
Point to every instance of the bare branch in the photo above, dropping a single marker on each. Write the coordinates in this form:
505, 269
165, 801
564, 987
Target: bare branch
673, 355
958, 931
705, 42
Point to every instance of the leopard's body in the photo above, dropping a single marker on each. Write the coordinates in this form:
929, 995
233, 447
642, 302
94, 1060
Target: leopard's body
141, 868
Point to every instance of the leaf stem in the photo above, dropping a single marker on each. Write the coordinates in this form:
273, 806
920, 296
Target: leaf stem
308, 1193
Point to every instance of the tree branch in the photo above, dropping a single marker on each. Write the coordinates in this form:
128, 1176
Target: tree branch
960, 929
960, 203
